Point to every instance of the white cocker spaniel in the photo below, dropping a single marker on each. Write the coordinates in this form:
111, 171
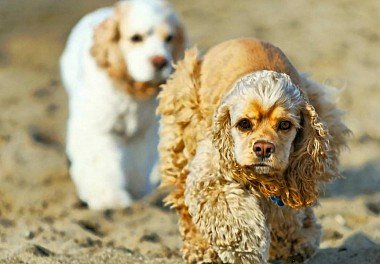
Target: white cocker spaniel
114, 61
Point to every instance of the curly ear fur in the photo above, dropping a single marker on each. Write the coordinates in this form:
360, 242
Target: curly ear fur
179, 43
310, 161
222, 141
105, 49
222, 136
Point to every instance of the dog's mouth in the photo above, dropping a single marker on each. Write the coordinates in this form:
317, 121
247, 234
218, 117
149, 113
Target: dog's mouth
261, 168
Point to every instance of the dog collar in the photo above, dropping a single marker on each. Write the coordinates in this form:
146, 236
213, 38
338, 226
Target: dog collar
277, 200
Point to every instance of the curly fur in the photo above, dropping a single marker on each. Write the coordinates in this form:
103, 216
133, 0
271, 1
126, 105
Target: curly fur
224, 211
105, 49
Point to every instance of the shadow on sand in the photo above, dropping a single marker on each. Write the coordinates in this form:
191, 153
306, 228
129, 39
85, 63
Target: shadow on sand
357, 249
360, 180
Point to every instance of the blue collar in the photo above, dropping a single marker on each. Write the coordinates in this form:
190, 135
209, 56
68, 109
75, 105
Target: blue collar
277, 200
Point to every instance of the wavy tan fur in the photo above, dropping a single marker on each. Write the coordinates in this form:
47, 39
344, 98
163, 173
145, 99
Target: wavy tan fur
224, 211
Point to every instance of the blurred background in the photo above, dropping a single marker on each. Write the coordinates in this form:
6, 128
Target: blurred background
41, 220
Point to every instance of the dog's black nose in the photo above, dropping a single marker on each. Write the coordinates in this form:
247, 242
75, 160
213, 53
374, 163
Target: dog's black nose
263, 149
159, 62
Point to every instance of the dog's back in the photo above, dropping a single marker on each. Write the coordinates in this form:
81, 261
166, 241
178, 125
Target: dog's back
228, 61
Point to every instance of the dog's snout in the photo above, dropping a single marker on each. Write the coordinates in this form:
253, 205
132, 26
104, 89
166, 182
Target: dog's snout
159, 62
263, 149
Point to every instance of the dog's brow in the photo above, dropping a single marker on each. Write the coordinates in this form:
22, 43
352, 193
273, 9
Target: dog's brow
258, 111
269, 112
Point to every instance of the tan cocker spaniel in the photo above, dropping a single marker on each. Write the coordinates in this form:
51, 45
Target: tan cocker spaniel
245, 143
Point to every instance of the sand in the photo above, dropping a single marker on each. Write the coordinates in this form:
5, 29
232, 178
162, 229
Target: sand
42, 221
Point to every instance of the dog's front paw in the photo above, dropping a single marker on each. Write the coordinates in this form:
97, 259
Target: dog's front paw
109, 199
199, 253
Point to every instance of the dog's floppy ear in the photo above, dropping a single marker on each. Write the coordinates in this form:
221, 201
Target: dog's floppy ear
222, 137
180, 42
105, 49
310, 161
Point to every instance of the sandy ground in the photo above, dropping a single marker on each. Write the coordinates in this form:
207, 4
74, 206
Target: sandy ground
41, 220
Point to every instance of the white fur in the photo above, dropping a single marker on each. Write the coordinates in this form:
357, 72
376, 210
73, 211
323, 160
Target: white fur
111, 137
267, 86
143, 18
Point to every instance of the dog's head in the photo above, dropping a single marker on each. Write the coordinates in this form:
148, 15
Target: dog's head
268, 134
139, 41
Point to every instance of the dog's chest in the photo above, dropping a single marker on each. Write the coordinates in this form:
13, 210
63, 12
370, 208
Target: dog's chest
115, 110
134, 117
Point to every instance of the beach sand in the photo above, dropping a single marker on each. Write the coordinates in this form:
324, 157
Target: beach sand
41, 219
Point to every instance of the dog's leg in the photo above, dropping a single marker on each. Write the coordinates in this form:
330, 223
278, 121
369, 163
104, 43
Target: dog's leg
230, 219
98, 168
295, 235
195, 248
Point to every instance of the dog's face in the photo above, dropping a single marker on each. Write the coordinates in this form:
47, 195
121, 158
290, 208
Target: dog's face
149, 39
264, 117
267, 133
263, 134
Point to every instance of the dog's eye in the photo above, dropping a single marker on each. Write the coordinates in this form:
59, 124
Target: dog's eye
169, 38
244, 124
137, 38
284, 125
